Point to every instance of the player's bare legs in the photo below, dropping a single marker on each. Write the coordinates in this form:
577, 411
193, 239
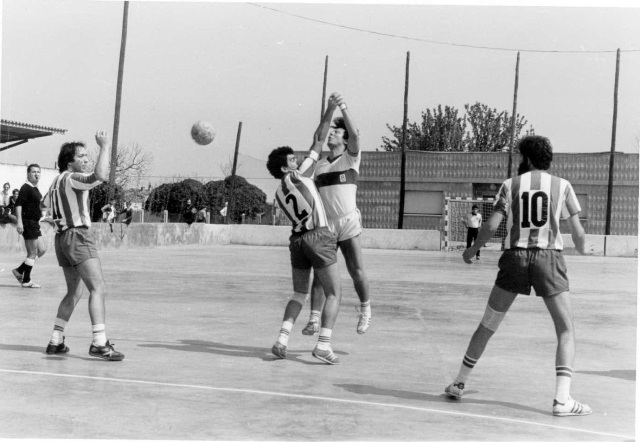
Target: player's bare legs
65, 310
500, 301
301, 282
317, 302
329, 278
559, 307
352, 252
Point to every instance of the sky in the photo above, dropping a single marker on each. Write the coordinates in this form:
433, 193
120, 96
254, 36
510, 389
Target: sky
262, 65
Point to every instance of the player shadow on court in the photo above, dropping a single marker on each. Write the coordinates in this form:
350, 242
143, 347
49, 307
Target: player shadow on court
426, 397
627, 375
263, 353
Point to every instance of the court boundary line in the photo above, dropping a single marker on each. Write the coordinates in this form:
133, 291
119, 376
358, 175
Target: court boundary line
302, 396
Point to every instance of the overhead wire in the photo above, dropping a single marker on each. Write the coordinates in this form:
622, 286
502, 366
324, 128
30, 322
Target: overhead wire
444, 43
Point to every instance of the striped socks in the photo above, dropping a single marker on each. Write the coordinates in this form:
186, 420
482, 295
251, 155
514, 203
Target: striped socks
324, 341
58, 331
285, 330
99, 335
465, 369
563, 383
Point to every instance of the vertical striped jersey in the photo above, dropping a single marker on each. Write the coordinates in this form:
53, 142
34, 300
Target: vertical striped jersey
68, 199
533, 204
337, 181
299, 199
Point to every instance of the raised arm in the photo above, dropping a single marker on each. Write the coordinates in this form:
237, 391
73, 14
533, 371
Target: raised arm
353, 146
319, 137
485, 233
102, 164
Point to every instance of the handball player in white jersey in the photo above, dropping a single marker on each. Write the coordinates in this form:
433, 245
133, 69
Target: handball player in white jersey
311, 245
533, 203
336, 177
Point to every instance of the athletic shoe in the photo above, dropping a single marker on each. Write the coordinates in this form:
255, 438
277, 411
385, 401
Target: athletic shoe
364, 322
54, 349
311, 328
326, 356
105, 352
477, 257
454, 391
17, 274
30, 285
279, 350
570, 408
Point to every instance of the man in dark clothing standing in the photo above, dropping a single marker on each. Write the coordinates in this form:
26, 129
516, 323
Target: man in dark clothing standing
28, 214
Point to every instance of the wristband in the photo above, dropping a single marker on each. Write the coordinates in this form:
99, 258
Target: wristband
343, 106
313, 155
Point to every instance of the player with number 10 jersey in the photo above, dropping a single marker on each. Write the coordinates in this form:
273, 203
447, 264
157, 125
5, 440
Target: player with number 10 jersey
533, 204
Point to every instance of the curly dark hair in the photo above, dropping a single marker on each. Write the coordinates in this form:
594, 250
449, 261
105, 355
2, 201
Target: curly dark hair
338, 123
277, 160
67, 153
538, 150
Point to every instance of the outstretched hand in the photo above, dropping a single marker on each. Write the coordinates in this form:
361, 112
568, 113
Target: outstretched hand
336, 99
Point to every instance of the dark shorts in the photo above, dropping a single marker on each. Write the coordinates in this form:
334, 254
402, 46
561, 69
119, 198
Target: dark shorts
31, 229
317, 249
544, 270
74, 246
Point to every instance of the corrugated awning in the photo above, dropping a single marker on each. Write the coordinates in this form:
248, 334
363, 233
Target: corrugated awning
14, 131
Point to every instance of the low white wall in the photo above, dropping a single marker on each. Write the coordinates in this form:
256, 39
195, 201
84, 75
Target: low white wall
160, 234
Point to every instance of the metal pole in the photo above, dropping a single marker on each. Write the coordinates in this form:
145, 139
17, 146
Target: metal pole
607, 228
116, 119
403, 160
513, 116
232, 197
324, 85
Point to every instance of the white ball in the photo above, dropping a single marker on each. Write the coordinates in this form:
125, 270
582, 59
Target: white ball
203, 132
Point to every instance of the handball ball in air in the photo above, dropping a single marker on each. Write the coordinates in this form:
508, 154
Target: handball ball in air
203, 132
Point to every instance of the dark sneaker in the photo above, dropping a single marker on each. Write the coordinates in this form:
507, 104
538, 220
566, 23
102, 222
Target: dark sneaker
454, 391
279, 350
106, 352
327, 356
56, 349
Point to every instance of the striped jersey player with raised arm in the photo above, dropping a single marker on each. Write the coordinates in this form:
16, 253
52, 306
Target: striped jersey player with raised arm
311, 245
533, 203
337, 179
68, 202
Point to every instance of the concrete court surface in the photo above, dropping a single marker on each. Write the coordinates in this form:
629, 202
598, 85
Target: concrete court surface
197, 323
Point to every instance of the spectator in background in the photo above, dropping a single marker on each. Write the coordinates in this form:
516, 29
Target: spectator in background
223, 211
109, 211
201, 216
9, 214
4, 198
189, 215
127, 210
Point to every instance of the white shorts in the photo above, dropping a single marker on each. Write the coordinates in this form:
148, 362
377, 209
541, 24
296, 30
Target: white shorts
347, 226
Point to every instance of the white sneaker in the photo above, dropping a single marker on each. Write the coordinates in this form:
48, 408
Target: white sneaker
364, 322
454, 391
30, 285
570, 408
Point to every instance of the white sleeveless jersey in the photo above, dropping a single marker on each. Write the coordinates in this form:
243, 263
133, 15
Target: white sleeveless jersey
533, 204
337, 182
299, 199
